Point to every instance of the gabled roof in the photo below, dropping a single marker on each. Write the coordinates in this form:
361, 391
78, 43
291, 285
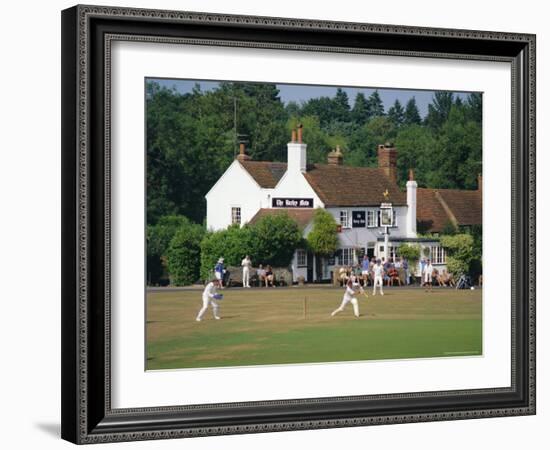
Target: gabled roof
301, 215
437, 207
335, 185
266, 173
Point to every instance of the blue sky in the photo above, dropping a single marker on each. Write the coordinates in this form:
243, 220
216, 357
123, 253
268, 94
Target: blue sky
302, 93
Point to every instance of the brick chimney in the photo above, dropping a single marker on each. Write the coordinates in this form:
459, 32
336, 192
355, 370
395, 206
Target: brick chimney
387, 160
335, 157
242, 156
296, 152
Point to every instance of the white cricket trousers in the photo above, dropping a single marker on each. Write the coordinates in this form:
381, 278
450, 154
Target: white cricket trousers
246, 277
377, 282
345, 301
205, 302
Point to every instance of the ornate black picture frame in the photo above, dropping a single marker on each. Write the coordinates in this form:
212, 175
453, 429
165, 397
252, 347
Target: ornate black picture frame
87, 34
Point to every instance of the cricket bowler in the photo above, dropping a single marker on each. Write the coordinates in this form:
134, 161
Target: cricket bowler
349, 297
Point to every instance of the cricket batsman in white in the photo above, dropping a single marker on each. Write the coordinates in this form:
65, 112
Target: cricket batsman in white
378, 270
349, 297
209, 297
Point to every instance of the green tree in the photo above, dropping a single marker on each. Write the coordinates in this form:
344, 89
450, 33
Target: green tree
158, 241
416, 145
321, 108
360, 112
475, 107
411, 115
439, 109
341, 109
396, 113
375, 105
460, 252
323, 237
183, 255
456, 160
274, 238
363, 144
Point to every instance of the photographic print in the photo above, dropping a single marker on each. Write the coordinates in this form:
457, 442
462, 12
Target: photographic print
295, 224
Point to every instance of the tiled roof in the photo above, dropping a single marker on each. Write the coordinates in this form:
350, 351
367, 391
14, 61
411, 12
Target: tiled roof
266, 173
335, 185
437, 207
301, 215
353, 186
465, 205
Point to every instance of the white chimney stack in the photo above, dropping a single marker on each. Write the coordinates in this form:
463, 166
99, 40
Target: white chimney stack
297, 153
411, 206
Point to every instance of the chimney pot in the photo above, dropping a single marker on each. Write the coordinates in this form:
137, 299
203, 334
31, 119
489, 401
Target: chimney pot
293, 136
242, 156
300, 127
335, 157
411, 174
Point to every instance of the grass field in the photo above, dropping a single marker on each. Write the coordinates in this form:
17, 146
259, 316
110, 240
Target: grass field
267, 326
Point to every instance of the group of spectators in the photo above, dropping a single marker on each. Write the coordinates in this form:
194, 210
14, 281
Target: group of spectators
394, 271
264, 275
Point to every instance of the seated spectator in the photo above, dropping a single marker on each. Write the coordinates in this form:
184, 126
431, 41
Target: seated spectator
393, 275
261, 275
446, 279
343, 275
269, 277
386, 266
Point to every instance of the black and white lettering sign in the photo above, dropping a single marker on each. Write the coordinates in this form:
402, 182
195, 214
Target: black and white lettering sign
292, 202
358, 219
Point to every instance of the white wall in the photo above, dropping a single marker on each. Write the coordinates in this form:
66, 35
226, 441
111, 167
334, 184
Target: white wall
359, 237
236, 188
294, 185
30, 187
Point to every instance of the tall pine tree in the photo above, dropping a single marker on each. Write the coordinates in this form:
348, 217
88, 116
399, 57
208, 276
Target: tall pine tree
396, 113
341, 109
439, 109
411, 116
360, 112
375, 105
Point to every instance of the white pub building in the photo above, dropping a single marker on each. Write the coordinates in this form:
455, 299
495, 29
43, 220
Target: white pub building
375, 216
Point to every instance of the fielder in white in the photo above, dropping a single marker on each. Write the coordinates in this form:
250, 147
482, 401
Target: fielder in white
247, 265
378, 271
427, 275
209, 297
349, 297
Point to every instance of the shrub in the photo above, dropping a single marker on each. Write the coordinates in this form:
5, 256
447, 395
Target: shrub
411, 252
158, 241
323, 238
183, 254
460, 252
274, 239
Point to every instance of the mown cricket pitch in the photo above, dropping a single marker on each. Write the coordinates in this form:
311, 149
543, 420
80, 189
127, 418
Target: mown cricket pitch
268, 326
